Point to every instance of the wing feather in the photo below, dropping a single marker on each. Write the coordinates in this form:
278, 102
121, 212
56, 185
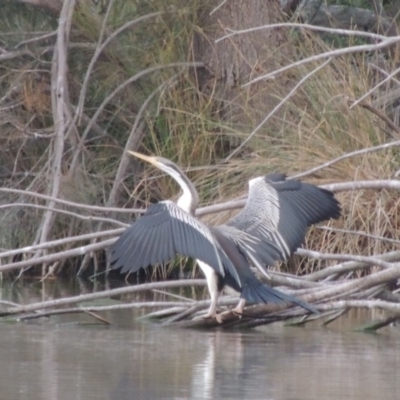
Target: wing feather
278, 212
162, 232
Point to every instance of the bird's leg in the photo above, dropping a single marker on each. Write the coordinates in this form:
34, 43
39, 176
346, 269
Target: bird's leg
212, 283
212, 311
240, 307
214, 293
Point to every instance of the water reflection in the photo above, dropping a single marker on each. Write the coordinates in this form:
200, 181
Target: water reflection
60, 359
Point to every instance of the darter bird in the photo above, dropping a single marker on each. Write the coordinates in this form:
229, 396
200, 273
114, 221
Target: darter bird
271, 226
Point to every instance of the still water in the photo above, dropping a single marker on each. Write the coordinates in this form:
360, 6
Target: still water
72, 357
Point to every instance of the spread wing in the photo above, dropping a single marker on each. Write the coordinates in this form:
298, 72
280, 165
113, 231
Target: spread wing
276, 217
164, 231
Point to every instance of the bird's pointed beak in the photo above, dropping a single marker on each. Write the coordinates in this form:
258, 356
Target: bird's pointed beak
149, 159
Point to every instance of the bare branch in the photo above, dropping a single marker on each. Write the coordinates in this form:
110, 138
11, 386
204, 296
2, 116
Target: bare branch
371, 260
60, 242
36, 39
218, 7
71, 203
72, 214
393, 256
383, 72
392, 74
276, 108
101, 295
359, 233
380, 115
121, 87
347, 32
328, 54
133, 142
59, 100
346, 156
100, 48
46, 259
362, 185
357, 285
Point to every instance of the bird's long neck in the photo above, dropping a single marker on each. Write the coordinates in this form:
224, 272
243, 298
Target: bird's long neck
190, 198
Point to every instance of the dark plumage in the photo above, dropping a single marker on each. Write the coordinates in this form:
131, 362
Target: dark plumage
270, 228
164, 231
279, 211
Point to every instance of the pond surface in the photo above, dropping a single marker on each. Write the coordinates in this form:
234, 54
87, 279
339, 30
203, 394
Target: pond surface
61, 359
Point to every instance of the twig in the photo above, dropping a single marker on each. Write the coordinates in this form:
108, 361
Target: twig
72, 214
218, 7
100, 48
97, 52
328, 54
71, 203
380, 115
9, 55
121, 87
347, 32
382, 71
132, 143
78, 251
36, 39
225, 206
345, 156
395, 72
360, 233
276, 108
59, 242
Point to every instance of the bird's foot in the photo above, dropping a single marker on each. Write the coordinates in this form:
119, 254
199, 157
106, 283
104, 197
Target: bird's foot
238, 312
218, 318
210, 315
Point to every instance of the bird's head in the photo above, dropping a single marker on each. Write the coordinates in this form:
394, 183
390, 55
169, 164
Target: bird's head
190, 198
161, 163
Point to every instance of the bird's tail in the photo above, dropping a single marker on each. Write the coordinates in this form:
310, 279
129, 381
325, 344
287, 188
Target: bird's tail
256, 292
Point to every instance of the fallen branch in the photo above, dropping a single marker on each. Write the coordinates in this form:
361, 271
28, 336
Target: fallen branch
100, 295
46, 259
369, 260
59, 242
349, 267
